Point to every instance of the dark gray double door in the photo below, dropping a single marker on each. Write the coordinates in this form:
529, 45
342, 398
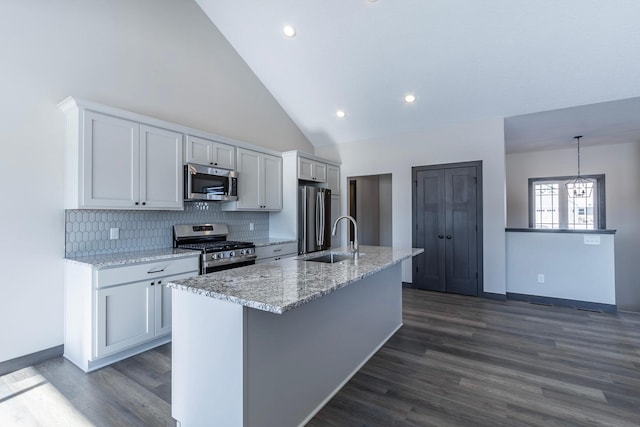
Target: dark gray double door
446, 216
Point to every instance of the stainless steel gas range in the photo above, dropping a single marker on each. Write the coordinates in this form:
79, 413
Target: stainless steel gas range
218, 253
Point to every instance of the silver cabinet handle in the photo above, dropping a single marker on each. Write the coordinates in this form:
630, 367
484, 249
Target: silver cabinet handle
156, 271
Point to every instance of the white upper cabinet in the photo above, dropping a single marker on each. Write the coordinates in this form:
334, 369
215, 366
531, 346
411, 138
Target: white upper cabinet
110, 164
118, 159
259, 182
211, 153
333, 179
126, 165
249, 180
272, 192
310, 170
160, 168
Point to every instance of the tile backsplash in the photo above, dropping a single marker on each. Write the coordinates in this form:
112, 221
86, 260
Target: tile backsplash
87, 231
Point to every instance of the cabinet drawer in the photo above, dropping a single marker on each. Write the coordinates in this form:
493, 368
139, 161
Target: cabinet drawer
150, 270
276, 250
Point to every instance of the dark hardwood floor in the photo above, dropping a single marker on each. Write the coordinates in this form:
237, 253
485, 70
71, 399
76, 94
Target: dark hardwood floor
456, 361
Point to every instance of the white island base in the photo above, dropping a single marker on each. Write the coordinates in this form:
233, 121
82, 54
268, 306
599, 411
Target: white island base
240, 366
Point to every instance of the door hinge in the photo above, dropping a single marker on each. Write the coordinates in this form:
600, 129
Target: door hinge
475, 179
476, 275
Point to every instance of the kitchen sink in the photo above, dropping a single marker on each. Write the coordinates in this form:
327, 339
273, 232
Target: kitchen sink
330, 258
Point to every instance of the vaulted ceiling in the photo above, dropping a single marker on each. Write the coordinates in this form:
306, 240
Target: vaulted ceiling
463, 59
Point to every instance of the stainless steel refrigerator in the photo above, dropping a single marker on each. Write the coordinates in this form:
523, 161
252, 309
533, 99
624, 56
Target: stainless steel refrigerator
314, 219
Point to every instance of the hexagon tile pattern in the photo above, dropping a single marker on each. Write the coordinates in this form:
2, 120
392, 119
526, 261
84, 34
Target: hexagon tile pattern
87, 231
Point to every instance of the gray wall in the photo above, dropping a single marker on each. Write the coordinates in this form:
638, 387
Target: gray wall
469, 141
161, 58
619, 163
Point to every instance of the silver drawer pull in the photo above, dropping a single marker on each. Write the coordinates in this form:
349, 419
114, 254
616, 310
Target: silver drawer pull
156, 271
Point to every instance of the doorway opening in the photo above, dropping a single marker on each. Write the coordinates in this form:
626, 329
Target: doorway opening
369, 203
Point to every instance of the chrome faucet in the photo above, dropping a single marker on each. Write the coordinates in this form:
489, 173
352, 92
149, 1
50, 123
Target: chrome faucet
354, 248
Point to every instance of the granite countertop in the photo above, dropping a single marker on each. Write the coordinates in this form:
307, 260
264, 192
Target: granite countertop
123, 258
279, 286
268, 241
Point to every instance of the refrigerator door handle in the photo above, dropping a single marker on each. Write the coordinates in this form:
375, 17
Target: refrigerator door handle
321, 203
304, 229
318, 219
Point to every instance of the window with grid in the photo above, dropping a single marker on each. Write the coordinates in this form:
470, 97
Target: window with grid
557, 203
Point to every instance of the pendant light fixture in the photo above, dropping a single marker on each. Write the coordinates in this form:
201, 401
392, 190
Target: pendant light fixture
579, 186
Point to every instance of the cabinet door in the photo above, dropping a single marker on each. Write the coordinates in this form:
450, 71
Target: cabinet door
271, 184
162, 295
124, 317
305, 169
224, 156
111, 156
206, 152
249, 170
333, 179
319, 172
198, 151
160, 168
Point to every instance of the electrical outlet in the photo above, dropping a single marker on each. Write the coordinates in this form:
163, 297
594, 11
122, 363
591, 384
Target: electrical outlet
251, 226
540, 278
114, 233
591, 240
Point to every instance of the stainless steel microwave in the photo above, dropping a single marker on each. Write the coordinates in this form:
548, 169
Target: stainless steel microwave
205, 183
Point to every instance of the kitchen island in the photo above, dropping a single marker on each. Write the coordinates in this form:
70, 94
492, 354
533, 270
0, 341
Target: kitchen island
270, 344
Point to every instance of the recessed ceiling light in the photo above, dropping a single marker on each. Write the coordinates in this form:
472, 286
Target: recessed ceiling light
409, 98
289, 31
341, 114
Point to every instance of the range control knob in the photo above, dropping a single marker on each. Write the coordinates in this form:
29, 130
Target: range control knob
232, 253
218, 256
243, 251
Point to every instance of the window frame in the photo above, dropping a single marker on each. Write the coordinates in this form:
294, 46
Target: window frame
601, 214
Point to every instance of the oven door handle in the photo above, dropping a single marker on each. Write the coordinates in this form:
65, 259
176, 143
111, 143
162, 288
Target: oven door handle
228, 261
160, 270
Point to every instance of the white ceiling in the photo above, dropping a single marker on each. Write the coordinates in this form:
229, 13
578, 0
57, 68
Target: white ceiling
599, 124
464, 59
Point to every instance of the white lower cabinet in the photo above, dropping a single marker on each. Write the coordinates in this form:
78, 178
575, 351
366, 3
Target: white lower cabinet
162, 300
123, 317
116, 312
133, 313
